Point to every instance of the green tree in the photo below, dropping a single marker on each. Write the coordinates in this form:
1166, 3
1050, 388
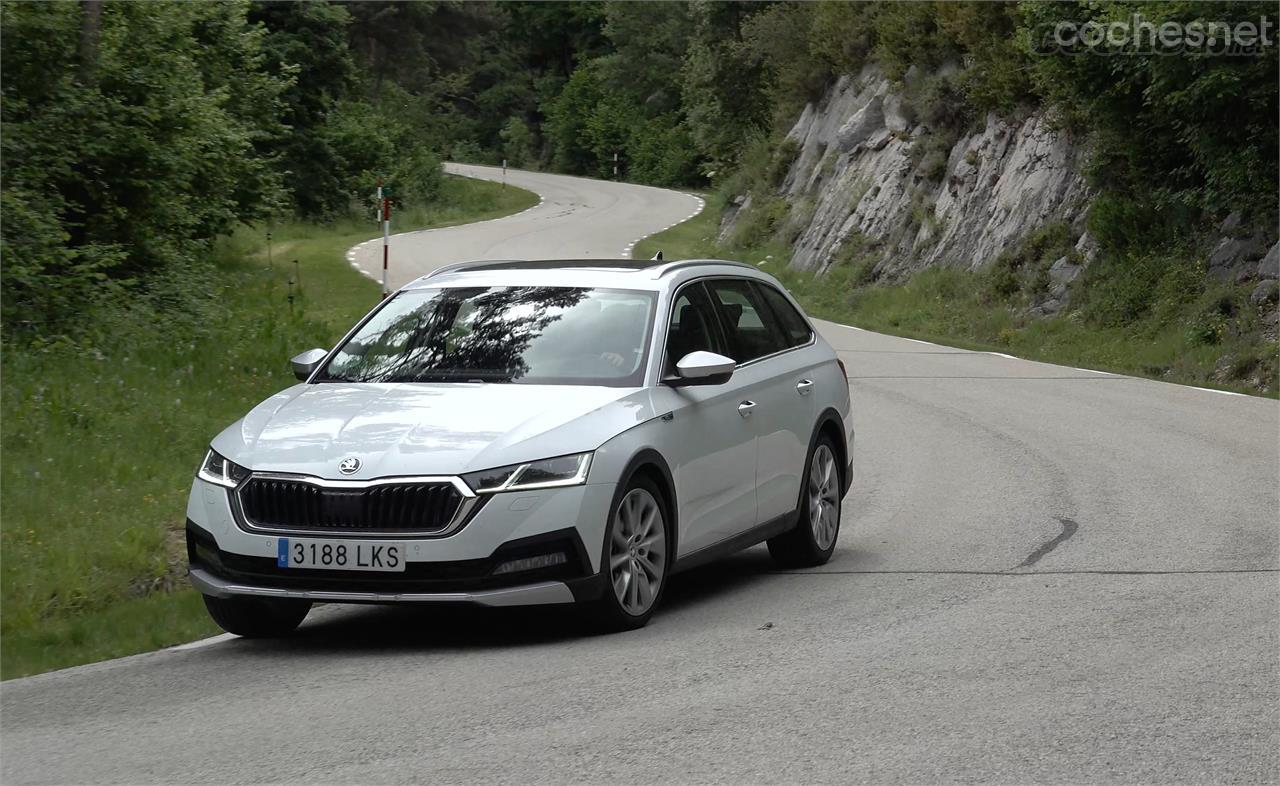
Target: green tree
1172, 135
724, 84
843, 35
780, 38
517, 142
566, 122
648, 42
132, 165
306, 43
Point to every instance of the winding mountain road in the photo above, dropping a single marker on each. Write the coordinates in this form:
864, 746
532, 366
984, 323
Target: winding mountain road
1044, 575
578, 218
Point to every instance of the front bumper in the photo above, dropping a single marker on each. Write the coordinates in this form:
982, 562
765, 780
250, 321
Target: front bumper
226, 560
223, 574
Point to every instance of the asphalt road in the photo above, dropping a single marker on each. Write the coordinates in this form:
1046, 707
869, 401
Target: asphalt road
577, 218
1044, 575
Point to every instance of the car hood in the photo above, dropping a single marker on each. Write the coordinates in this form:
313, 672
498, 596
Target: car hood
427, 429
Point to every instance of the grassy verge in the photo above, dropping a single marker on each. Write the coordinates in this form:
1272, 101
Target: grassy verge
100, 442
1170, 326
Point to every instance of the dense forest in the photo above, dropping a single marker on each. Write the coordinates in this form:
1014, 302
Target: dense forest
135, 133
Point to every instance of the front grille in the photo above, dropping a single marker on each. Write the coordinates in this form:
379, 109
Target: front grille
393, 508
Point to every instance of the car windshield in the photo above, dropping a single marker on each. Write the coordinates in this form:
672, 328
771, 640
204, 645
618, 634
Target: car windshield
530, 335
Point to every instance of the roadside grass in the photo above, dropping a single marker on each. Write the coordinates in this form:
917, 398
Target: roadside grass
1183, 337
337, 295
100, 443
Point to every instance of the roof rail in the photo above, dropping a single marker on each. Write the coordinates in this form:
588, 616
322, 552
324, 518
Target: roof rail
548, 264
683, 263
657, 264
457, 266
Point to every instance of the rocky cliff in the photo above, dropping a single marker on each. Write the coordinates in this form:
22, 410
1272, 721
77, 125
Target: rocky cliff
855, 188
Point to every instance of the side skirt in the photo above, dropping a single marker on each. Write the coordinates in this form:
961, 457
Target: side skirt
757, 534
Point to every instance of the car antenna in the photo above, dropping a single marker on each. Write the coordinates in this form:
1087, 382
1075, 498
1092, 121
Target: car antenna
657, 257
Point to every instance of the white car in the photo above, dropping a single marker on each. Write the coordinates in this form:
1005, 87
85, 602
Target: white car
516, 433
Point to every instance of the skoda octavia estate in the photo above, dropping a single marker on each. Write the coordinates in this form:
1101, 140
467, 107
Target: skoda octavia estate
515, 433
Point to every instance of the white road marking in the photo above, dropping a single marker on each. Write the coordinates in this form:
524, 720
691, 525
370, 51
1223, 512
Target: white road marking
999, 354
1073, 368
541, 201
195, 645
630, 248
351, 252
353, 255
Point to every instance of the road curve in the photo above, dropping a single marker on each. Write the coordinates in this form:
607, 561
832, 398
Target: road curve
1044, 575
578, 218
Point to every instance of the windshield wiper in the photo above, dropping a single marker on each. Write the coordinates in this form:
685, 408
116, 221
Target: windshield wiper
458, 375
434, 375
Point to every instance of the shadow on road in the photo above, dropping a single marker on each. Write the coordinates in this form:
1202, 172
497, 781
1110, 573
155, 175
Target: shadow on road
354, 629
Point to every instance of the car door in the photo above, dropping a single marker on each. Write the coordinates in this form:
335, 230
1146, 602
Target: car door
774, 379
783, 435
712, 453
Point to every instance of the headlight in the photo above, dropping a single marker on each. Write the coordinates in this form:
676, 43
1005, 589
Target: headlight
217, 469
547, 473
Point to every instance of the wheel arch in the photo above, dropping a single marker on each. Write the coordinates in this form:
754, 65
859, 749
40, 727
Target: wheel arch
830, 423
650, 462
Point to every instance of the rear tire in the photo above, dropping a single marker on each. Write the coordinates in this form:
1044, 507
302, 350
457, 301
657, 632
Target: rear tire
257, 618
813, 539
636, 558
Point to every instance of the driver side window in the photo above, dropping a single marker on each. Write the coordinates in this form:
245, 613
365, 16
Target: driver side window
693, 326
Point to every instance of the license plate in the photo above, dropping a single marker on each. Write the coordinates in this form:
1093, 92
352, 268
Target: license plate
340, 554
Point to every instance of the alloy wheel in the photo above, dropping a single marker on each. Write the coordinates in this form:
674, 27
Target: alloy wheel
638, 554
824, 497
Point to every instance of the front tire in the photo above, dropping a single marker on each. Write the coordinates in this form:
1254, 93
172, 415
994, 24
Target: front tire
257, 618
635, 559
813, 539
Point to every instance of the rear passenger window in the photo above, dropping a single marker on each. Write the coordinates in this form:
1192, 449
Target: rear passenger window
793, 325
753, 332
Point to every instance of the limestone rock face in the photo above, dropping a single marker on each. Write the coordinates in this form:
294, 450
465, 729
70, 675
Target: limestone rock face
1269, 267
855, 174
867, 120
1237, 257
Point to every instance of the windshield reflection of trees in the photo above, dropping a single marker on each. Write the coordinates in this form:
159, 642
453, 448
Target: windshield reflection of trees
430, 344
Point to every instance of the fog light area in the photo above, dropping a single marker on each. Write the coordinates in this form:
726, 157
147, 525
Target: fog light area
531, 563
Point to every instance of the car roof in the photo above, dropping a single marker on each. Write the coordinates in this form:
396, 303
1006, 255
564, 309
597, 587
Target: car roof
650, 274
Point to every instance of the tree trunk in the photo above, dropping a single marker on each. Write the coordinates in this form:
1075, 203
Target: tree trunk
375, 65
90, 28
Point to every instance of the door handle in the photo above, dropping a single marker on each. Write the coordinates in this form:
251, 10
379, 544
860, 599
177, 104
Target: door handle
804, 387
744, 409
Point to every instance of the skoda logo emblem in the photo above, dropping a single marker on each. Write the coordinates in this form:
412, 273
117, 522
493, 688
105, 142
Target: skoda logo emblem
349, 465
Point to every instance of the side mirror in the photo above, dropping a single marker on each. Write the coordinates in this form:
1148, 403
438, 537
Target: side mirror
307, 362
702, 368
